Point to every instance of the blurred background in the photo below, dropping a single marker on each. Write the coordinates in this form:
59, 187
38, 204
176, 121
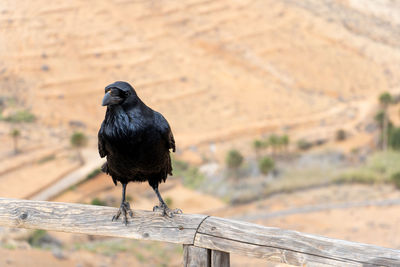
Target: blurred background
285, 113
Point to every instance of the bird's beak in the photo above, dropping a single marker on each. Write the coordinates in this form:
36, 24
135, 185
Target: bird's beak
107, 99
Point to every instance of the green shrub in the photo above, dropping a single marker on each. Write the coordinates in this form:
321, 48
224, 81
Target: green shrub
385, 163
190, 175
72, 187
274, 141
129, 198
36, 238
285, 140
258, 144
395, 178
385, 99
266, 164
234, 159
98, 202
15, 134
379, 117
303, 144
379, 168
179, 165
78, 139
20, 116
168, 201
394, 138
192, 178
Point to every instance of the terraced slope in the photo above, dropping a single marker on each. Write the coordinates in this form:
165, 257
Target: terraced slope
219, 70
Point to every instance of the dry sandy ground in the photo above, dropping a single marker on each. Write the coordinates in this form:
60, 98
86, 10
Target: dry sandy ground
40, 258
23, 183
222, 72
218, 70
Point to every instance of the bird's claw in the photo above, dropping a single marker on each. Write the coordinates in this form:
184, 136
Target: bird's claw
124, 209
165, 211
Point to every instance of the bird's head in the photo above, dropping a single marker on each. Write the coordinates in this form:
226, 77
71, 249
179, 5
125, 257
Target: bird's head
119, 93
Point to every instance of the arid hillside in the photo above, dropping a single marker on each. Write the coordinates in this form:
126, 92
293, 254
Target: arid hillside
224, 73
219, 70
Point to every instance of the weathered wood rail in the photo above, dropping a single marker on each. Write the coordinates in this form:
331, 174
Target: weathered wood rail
207, 240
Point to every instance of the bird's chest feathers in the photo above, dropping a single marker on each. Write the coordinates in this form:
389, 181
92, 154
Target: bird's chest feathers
120, 126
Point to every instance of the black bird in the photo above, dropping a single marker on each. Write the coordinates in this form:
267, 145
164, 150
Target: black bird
136, 141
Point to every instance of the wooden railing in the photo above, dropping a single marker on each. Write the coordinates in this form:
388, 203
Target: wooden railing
207, 240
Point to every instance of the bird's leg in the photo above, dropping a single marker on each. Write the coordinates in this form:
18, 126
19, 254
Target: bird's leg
163, 206
124, 208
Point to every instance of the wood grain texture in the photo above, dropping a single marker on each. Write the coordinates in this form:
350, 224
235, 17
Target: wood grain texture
289, 246
196, 257
204, 232
96, 220
220, 258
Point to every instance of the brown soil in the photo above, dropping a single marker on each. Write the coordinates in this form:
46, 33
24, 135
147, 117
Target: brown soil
223, 73
25, 181
215, 79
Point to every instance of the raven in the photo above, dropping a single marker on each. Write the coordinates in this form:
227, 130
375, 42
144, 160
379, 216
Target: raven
136, 141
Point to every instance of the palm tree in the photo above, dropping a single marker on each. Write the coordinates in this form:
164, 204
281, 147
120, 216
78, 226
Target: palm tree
273, 141
258, 146
394, 140
15, 134
234, 160
285, 141
79, 140
385, 99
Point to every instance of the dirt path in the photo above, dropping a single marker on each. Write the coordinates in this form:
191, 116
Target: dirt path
318, 208
92, 161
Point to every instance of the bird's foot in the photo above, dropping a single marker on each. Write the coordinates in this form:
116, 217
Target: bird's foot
165, 211
124, 209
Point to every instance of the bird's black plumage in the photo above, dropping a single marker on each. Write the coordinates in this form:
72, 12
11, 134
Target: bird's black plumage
136, 141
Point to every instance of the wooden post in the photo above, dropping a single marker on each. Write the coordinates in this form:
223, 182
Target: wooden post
196, 257
202, 257
219, 259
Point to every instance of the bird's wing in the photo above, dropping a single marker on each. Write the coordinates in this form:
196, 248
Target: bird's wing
101, 142
165, 131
